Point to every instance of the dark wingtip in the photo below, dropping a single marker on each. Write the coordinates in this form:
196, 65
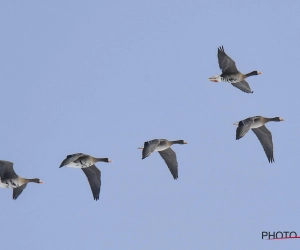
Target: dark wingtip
237, 137
16, 197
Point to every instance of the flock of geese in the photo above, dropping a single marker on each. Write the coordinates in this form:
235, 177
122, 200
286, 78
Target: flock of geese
230, 74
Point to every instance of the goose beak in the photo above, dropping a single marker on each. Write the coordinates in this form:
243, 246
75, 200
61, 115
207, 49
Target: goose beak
141, 148
184, 142
258, 72
109, 160
236, 123
281, 119
41, 182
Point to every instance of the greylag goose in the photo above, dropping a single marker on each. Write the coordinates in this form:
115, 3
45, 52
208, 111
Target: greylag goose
163, 148
257, 124
231, 74
9, 179
86, 163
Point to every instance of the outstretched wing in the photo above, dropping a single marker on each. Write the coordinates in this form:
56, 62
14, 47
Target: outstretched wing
149, 147
170, 158
94, 177
243, 128
6, 170
243, 86
226, 64
70, 158
265, 138
17, 191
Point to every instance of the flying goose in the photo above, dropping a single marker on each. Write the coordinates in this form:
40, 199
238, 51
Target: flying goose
231, 74
9, 179
86, 163
257, 124
163, 148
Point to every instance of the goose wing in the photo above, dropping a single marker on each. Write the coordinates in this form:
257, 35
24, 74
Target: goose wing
265, 138
226, 64
149, 147
243, 86
94, 177
17, 191
243, 127
71, 158
169, 157
7, 170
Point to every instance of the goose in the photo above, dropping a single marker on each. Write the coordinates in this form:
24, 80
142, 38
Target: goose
163, 147
231, 74
257, 124
9, 179
86, 163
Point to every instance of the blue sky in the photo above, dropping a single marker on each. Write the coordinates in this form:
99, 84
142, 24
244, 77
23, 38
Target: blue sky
102, 77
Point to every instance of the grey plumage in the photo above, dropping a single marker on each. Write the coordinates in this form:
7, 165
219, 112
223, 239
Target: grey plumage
94, 177
231, 74
265, 138
17, 191
163, 148
86, 163
170, 158
71, 158
149, 147
226, 64
9, 179
7, 170
256, 123
243, 86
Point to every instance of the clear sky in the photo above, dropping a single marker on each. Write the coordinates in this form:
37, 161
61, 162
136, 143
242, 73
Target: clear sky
102, 77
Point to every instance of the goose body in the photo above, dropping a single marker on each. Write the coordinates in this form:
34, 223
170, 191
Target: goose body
9, 179
86, 163
231, 74
163, 147
257, 125
13, 182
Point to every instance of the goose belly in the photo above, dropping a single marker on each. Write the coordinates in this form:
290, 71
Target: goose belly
3, 185
161, 147
256, 124
79, 164
229, 78
10, 183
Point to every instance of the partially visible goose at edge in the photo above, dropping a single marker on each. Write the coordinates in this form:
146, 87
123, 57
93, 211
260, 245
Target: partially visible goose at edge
9, 179
231, 74
163, 148
256, 123
86, 163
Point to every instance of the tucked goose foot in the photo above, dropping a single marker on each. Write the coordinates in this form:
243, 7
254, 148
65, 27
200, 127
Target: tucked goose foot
215, 78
